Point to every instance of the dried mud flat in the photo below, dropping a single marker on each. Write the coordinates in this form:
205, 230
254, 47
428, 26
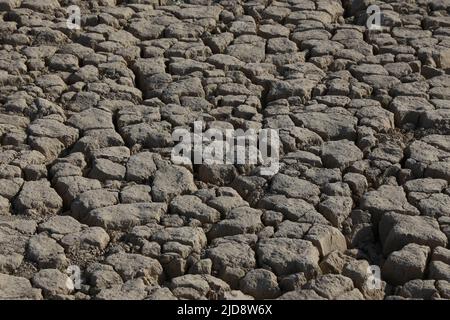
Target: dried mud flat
86, 180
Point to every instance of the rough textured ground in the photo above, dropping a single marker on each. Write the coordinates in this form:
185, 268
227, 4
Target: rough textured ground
86, 118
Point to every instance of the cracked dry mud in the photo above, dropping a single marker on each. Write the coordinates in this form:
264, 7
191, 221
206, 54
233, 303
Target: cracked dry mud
86, 180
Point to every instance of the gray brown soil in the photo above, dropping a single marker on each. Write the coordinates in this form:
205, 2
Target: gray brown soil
86, 180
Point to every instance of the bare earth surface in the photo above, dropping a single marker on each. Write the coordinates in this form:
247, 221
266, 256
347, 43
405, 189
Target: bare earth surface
86, 180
